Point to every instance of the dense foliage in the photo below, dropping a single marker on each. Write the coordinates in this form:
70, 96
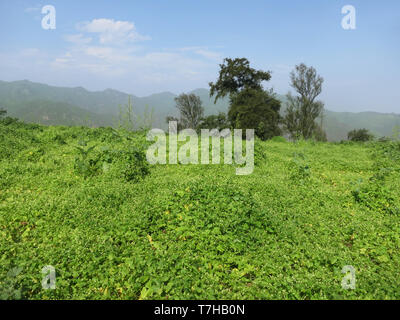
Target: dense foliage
251, 106
236, 75
84, 201
303, 110
219, 121
256, 109
360, 135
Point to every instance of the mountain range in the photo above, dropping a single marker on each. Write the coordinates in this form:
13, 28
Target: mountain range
50, 105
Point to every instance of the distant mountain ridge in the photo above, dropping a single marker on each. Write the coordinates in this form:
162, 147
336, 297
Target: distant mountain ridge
21, 95
50, 105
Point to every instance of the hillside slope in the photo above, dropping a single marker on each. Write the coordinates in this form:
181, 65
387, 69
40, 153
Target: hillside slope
21, 99
67, 199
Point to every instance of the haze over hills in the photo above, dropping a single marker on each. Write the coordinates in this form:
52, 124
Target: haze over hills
50, 105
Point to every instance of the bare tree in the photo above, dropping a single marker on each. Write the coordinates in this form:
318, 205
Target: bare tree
190, 109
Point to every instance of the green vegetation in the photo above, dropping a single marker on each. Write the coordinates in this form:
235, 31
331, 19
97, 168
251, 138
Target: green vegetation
258, 110
303, 110
190, 110
24, 100
360, 135
251, 106
236, 75
218, 121
86, 202
131, 120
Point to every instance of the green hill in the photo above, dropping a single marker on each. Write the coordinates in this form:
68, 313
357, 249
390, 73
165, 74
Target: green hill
48, 112
338, 124
104, 102
35, 102
84, 201
102, 107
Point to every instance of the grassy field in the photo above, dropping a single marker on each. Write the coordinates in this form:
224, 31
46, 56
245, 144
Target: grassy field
86, 202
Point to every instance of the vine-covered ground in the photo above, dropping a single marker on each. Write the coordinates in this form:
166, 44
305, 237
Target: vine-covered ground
86, 202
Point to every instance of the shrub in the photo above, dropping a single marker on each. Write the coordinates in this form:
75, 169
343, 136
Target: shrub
360, 135
85, 165
130, 165
8, 121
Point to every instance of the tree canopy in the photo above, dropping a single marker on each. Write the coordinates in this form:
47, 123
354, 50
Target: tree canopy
219, 122
302, 110
235, 75
251, 107
256, 109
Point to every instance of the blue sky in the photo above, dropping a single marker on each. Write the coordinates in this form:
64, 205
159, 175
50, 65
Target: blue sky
144, 47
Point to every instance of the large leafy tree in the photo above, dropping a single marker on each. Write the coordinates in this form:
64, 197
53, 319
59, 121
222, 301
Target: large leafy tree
256, 109
236, 75
2, 113
303, 109
251, 107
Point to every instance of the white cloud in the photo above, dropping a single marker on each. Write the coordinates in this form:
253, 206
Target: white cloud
209, 54
32, 9
134, 71
113, 54
204, 52
99, 52
113, 32
105, 53
77, 39
110, 55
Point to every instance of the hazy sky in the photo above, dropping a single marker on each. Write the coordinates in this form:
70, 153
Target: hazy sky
149, 46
